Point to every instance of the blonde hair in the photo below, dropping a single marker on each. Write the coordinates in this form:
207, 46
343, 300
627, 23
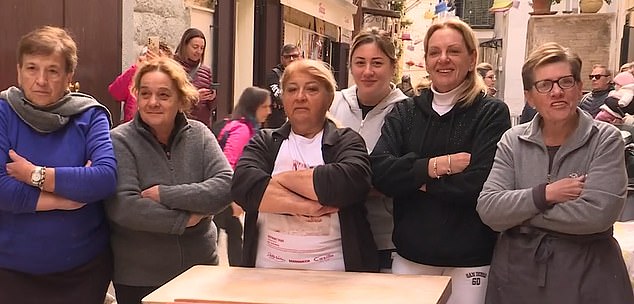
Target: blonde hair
474, 84
48, 40
316, 69
547, 53
187, 93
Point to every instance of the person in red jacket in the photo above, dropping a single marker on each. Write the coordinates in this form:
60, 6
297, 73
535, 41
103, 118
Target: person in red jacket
120, 88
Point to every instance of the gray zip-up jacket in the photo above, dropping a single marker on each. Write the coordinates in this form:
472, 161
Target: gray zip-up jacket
564, 253
150, 240
345, 108
521, 163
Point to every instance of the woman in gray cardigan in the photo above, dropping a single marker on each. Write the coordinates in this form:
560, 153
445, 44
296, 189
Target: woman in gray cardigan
557, 186
172, 178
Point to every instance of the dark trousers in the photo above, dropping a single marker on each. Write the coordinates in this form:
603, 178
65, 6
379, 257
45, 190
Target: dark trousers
132, 294
233, 227
87, 284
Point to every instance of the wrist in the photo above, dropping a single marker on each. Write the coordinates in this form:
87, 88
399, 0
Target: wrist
38, 176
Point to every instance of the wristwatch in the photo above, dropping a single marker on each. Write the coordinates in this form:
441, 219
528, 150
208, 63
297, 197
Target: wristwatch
38, 175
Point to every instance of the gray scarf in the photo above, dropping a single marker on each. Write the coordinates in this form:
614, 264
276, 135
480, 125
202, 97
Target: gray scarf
52, 117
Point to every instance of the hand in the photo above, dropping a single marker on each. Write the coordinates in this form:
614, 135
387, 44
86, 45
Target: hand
49, 201
194, 219
565, 189
459, 162
20, 168
67, 204
206, 94
152, 193
236, 210
314, 208
150, 55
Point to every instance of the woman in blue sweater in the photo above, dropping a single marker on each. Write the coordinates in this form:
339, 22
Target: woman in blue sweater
57, 165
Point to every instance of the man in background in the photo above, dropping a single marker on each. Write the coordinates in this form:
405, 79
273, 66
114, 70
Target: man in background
601, 79
289, 53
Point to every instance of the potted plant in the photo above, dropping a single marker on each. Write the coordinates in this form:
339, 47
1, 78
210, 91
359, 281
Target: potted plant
542, 7
592, 6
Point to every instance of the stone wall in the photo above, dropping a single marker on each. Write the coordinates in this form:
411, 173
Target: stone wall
592, 36
167, 19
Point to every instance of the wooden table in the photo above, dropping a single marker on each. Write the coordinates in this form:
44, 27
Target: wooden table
216, 284
624, 234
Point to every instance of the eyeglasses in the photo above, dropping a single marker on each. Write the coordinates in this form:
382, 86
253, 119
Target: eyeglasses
291, 56
545, 86
597, 76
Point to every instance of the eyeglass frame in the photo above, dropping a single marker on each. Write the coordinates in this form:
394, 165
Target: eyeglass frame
597, 76
552, 84
291, 56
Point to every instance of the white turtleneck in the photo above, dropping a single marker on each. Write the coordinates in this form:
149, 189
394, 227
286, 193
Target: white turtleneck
444, 102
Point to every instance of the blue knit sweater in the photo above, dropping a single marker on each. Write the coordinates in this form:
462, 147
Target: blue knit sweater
54, 241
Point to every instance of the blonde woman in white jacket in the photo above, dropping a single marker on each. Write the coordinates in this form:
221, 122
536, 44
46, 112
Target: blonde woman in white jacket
362, 107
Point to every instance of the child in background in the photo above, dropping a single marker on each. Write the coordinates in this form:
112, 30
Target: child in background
619, 104
253, 107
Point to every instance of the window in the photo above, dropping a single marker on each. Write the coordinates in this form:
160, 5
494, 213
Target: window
475, 13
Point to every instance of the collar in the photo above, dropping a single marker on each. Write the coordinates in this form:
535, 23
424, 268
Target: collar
585, 129
330, 137
447, 98
53, 117
180, 124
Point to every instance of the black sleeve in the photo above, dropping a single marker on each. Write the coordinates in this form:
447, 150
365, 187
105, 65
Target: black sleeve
253, 172
465, 187
273, 85
397, 173
347, 179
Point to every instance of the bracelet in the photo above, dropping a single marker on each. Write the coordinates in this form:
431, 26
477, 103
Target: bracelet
435, 164
449, 164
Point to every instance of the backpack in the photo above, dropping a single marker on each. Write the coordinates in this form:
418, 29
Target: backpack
216, 129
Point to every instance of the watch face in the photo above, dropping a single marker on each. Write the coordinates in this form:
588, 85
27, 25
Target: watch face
36, 176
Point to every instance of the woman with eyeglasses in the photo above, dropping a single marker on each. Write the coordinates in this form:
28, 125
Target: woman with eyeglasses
485, 70
557, 186
601, 86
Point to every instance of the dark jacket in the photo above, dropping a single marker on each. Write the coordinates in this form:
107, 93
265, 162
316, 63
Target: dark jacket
591, 102
342, 182
278, 116
440, 226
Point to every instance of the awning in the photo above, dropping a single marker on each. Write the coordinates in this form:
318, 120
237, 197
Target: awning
337, 12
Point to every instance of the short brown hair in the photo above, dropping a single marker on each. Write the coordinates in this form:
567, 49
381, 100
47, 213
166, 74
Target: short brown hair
187, 93
604, 67
475, 85
547, 53
287, 48
48, 40
381, 38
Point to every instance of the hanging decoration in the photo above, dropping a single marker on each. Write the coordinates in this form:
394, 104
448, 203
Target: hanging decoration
503, 5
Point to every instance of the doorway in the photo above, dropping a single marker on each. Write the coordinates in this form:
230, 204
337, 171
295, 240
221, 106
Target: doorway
94, 25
